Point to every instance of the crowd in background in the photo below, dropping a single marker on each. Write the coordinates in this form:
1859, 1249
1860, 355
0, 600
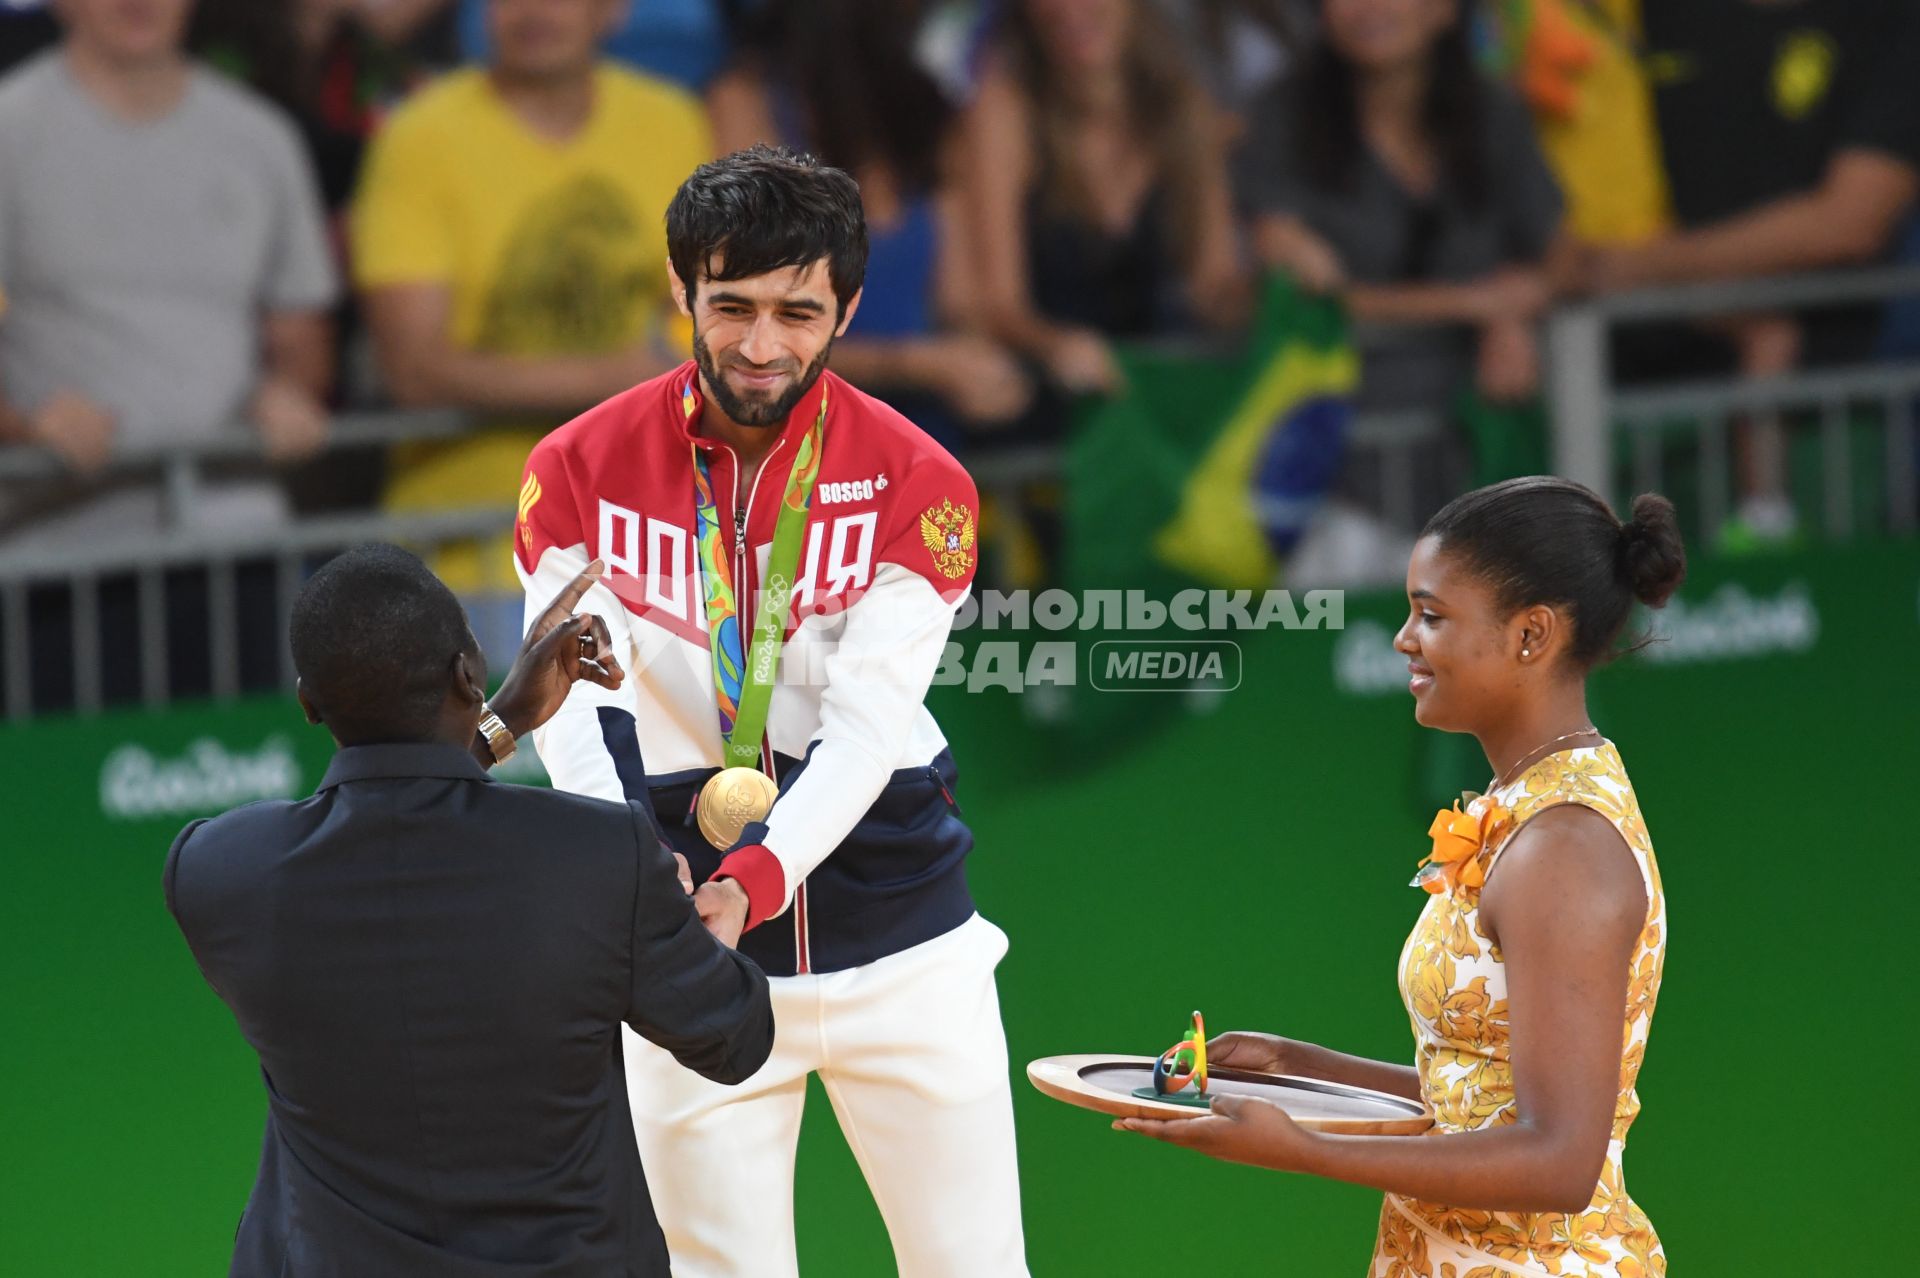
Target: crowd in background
241, 214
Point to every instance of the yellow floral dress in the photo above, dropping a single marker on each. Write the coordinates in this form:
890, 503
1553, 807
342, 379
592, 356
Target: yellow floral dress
1455, 987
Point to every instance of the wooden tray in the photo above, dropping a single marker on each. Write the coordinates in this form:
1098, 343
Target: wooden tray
1107, 1083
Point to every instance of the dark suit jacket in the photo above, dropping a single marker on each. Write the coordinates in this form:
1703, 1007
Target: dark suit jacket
433, 968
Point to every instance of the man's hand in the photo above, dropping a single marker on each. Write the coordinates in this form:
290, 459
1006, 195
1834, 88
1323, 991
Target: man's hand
560, 650
1241, 1129
722, 904
683, 872
292, 423
76, 428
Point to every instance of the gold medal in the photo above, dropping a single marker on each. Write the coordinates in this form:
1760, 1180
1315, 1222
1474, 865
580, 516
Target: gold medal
730, 801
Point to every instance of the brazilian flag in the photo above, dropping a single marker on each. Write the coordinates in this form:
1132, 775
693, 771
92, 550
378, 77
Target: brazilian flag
1201, 472
1205, 469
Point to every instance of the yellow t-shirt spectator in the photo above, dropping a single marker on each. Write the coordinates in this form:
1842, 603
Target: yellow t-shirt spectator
549, 248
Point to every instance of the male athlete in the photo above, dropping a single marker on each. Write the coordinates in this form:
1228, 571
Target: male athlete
784, 558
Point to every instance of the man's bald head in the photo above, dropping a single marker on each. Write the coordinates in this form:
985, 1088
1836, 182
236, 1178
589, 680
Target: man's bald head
375, 635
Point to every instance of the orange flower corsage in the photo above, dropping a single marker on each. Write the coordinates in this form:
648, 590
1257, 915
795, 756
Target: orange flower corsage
1459, 835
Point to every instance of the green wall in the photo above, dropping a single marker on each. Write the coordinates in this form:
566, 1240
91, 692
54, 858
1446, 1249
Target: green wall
1776, 746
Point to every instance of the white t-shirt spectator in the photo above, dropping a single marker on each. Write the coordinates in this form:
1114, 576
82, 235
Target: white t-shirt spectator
139, 258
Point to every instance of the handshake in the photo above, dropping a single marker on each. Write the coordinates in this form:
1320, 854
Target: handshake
721, 903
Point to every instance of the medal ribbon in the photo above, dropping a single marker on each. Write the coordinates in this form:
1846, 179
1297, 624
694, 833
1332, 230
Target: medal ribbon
743, 682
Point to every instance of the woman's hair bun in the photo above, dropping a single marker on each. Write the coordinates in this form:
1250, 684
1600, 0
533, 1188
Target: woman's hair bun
1652, 558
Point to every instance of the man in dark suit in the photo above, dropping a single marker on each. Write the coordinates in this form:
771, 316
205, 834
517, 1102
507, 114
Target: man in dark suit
433, 967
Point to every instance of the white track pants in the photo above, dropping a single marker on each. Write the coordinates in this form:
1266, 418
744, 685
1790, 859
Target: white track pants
914, 1059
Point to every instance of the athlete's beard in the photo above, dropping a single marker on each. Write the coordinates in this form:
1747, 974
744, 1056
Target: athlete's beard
756, 412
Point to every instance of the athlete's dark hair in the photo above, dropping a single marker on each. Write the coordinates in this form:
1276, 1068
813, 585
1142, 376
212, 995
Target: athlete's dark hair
764, 209
374, 634
1546, 540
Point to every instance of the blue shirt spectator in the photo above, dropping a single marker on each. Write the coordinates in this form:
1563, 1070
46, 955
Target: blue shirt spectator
680, 40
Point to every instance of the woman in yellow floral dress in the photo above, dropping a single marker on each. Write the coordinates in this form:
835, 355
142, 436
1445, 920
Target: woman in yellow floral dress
1531, 975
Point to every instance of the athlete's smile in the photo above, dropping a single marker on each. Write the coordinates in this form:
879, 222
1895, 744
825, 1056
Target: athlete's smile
763, 379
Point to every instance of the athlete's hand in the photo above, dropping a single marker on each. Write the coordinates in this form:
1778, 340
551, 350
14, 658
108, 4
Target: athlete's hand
722, 904
76, 428
684, 873
561, 649
1240, 1129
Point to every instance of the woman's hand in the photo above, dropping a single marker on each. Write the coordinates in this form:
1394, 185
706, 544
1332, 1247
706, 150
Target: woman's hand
1255, 1053
1284, 243
1082, 362
1240, 1129
979, 379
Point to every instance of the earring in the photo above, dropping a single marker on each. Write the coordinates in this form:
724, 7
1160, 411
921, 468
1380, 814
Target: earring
1526, 652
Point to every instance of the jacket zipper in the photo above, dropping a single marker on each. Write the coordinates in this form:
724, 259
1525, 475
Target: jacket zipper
740, 516
802, 949
945, 793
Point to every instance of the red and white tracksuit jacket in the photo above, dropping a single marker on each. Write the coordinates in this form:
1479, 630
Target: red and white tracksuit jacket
862, 855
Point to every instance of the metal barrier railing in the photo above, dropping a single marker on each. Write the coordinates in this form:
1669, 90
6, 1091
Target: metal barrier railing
1828, 397
182, 469
284, 556
1586, 407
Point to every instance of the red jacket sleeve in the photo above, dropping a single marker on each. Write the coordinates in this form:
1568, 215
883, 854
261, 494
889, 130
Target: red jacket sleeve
933, 526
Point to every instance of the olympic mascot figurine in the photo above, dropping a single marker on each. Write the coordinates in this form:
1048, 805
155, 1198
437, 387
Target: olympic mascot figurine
1182, 1064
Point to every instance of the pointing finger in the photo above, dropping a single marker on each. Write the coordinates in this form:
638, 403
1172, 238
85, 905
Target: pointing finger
572, 593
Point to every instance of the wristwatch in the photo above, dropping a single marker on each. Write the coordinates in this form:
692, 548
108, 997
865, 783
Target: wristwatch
499, 737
